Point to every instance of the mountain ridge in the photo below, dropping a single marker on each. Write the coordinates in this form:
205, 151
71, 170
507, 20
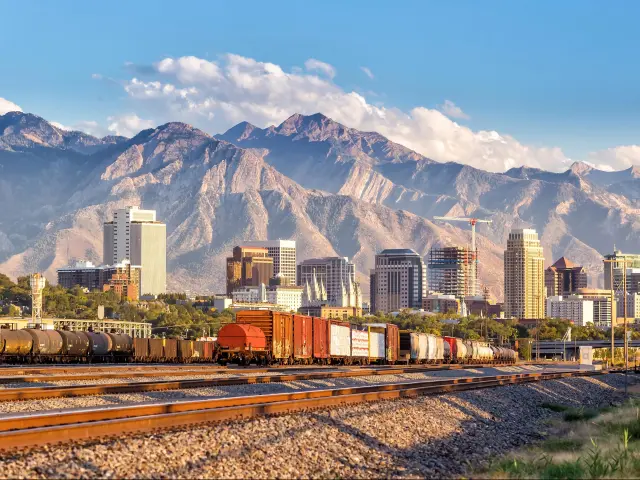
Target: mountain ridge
336, 190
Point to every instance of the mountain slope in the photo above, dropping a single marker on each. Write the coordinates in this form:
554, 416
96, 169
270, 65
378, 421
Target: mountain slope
212, 195
336, 190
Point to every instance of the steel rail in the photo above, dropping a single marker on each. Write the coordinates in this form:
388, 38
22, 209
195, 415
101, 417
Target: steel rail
24, 430
54, 391
213, 370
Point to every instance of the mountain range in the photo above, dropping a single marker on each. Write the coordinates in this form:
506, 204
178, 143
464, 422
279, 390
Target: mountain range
333, 189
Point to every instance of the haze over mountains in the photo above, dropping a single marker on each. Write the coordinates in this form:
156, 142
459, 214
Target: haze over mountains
335, 190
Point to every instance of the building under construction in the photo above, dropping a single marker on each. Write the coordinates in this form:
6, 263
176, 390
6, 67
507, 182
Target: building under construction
452, 271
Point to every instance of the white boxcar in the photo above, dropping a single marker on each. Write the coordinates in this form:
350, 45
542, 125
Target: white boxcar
432, 349
376, 344
359, 343
340, 344
462, 350
423, 346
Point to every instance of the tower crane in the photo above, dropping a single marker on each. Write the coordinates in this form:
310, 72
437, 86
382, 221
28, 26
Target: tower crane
472, 222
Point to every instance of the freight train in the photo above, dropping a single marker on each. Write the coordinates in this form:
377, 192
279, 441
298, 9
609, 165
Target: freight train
260, 336
34, 345
266, 336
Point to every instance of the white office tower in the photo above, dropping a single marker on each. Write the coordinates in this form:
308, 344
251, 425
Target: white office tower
283, 253
135, 235
329, 281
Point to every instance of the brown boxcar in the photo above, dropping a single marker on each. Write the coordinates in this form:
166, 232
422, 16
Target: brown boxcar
170, 349
393, 343
277, 328
141, 348
302, 337
198, 351
185, 350
320, 337
156, 349
208, 350
15, 342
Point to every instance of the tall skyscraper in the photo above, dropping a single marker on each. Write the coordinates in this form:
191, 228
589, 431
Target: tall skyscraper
283, 253
135, 235
524, 275
620, 261
249, 267
398, 281
329, 281
452, 271
564, 278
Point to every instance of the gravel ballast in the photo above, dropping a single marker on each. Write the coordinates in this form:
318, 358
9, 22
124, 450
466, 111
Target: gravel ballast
239, 390
437, 436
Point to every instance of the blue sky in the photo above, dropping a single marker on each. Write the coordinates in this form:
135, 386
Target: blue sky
547, 73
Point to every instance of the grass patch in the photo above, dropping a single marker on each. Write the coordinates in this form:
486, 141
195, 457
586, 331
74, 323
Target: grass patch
580, 414
568, 470
561, 444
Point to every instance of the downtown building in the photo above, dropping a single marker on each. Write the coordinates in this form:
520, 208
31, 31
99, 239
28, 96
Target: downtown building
452, 271
283, 253
564, 278
249, 266
574, 308
122, 278
620, 263
329, 281
524, 295
398, 281
136, 236
287, 298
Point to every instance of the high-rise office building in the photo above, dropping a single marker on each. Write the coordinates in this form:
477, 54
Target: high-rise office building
135, 235
329, 281
564, 278
123, 278
524, 275
575, 308
283, 253
452, 271
398, 281
621, 261
249, 267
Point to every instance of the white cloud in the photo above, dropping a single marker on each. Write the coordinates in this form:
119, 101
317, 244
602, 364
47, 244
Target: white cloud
616, 158
216, 95
127, 125
61, 127
7, 106
316, 65
367, 72
451, 110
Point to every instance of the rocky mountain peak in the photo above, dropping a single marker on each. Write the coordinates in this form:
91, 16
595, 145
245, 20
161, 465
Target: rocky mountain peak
580, 168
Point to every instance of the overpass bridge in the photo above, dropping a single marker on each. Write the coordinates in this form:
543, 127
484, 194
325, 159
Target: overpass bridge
555, 348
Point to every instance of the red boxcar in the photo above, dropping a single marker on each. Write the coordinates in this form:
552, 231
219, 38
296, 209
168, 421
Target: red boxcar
302, 337
277, 328
320, 337
453, 347
393, 343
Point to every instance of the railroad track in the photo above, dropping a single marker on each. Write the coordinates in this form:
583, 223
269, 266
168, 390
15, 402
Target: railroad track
35, 393
40, 375
27, 430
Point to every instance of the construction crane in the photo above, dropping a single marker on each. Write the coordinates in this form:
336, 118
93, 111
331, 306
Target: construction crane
472, 222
